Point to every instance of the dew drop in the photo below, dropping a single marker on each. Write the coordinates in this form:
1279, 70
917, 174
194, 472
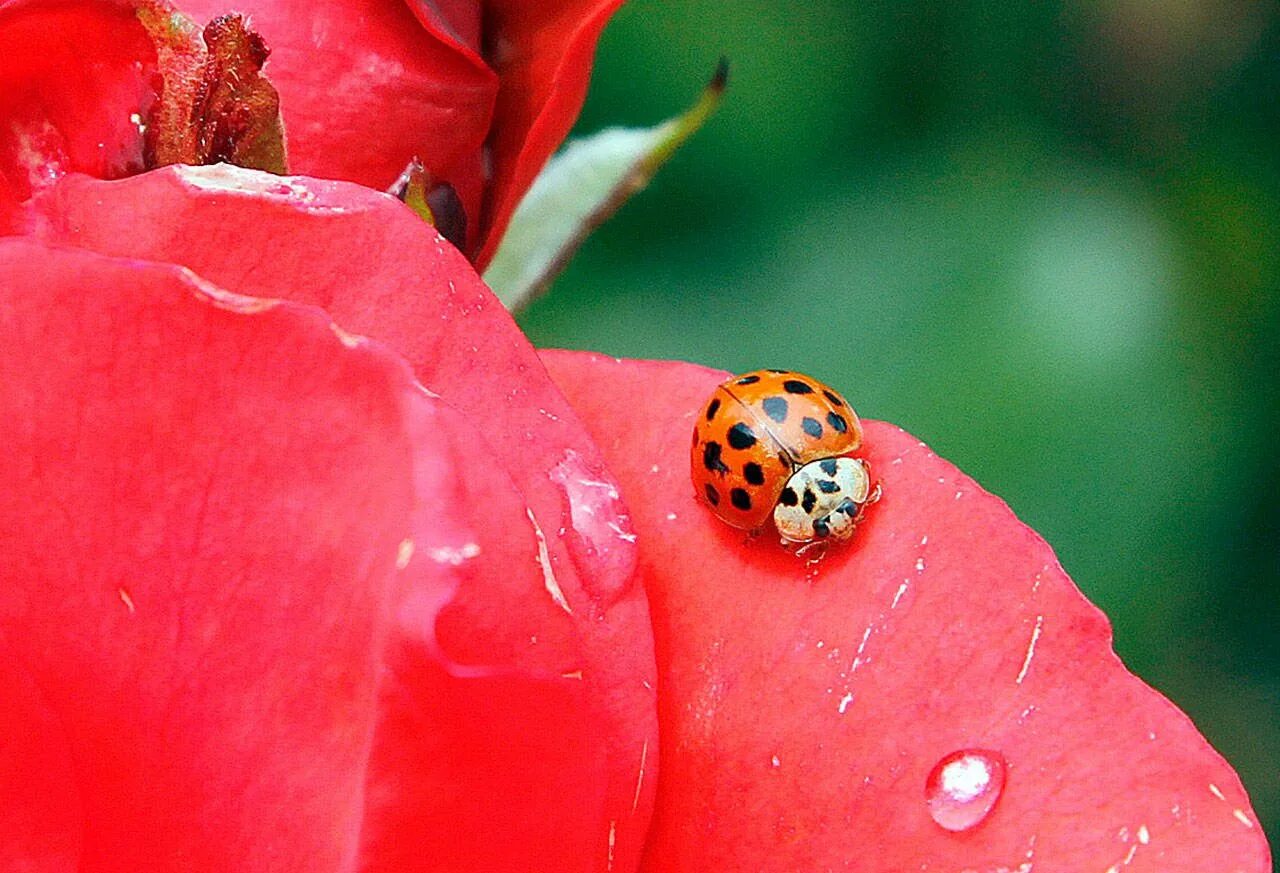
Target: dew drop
602, 544
963, 788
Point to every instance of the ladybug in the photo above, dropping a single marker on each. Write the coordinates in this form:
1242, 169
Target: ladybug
773, 444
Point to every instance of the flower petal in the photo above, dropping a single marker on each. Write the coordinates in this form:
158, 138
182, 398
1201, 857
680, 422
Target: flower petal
40, 803
75, 83
490, 754
365, 87
543, 54
10, 209
804, 708
204, 500
568, 604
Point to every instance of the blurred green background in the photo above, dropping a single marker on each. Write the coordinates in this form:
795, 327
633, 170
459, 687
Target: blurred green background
1042, 237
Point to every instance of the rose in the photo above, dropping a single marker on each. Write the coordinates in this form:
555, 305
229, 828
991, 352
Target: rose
53, 114
271, 608
511, 659
804, 710
205, 620
481, 93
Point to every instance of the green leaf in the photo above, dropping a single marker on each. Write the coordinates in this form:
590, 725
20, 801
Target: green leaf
579, 189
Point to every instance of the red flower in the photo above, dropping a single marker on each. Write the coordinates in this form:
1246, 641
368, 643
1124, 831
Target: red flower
804, 710
268, 605
481, 92
214, 655
207, 603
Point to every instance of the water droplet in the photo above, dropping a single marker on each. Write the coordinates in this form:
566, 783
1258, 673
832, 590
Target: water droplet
963, 788
602, 544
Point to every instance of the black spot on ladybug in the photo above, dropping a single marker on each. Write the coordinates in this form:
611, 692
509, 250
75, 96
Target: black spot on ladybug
753, 473
795, 386
847, 506
741, 437
821, 529
748, 380
712, 408
711, 459
713, 496
833, 397
837, 422
740, 499
775, 408
828, 466
777, 371
788, 497
826, 486
812, 427
809, 500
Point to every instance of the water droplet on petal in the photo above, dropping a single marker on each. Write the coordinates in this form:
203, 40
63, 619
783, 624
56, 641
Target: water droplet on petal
602, 544
963, 788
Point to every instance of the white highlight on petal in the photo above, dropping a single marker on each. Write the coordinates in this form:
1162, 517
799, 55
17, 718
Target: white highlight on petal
404, 554
1031, 650
454, 556
544, 559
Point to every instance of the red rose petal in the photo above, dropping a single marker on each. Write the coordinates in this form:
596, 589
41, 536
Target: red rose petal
458, 20
42, 829
378, 270
803, 709
363, 90
10, 208
204, 500
490, 753
364, 87
75, 83
543, 54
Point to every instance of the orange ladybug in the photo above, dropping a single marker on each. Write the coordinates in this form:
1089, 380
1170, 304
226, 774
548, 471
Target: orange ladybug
772, 444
